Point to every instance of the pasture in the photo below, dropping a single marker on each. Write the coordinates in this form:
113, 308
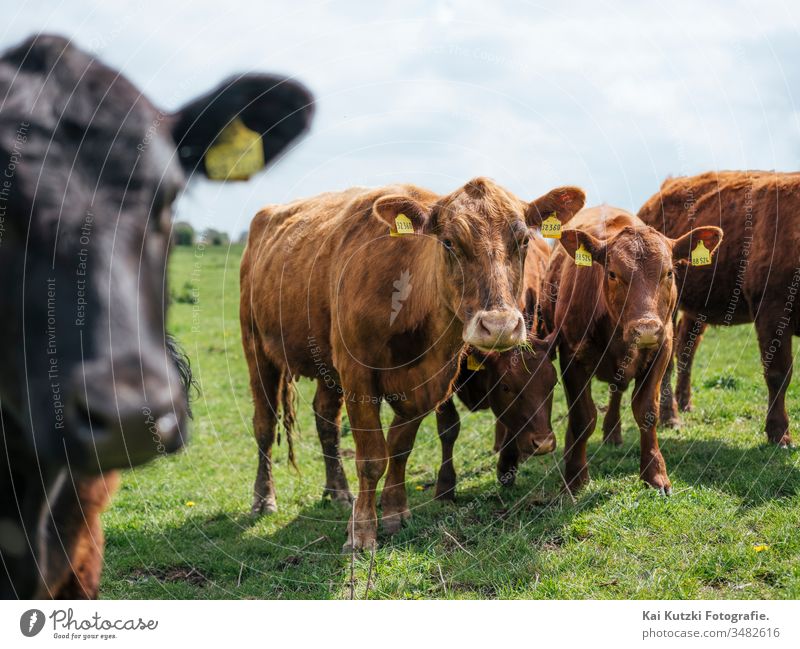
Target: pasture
180, 527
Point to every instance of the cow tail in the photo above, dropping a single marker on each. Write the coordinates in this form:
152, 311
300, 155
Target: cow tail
288, 397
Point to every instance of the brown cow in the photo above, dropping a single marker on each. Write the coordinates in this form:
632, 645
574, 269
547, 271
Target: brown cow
754, 278
327, 293
518, 387
613, 318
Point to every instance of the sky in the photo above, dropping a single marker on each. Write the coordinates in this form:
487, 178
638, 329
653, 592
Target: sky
610, 96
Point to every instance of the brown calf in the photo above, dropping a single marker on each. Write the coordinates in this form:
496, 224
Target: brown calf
754, 278
613, 318
327, 293
518, 387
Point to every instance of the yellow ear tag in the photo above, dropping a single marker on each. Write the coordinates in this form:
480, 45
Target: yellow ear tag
474, 364
701, 256
402, 225
236, 154
583, 257
551, 227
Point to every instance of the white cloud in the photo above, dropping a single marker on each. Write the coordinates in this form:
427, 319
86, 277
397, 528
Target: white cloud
611, 96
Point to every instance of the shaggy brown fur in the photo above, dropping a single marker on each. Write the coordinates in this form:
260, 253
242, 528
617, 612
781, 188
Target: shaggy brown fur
321, 289
754, 277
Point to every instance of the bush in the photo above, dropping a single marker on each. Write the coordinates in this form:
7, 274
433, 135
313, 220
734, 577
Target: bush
215, 237
183, 234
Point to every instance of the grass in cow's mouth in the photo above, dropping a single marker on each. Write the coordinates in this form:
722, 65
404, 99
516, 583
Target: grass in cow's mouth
732, 493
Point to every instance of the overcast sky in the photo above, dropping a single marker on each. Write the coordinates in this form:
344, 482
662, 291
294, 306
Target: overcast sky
609, 96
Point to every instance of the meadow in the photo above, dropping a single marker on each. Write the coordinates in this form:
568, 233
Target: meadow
180, 527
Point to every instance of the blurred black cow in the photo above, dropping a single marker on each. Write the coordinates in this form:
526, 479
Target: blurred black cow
89, 170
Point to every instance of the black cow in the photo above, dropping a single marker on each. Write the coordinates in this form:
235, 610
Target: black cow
89, 170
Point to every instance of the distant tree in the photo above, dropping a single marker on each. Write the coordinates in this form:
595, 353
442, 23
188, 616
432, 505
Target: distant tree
214, 237
243, 236
183, 234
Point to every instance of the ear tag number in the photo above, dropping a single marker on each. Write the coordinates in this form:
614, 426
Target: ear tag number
551, 227
701, 256
402, 226
583, 257
236, 154
474, 364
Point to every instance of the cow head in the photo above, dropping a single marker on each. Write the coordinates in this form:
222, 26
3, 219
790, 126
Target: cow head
91, 171
482, 232
639, 280
521, 395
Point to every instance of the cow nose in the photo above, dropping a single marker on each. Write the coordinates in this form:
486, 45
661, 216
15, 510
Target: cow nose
124, 419
647, 333
496, 330
537, 444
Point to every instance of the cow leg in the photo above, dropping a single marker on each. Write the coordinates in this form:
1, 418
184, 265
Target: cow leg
265, 380
365, 423
612, 424
645, 404
668, 410
687, 338
394, 501
448, 425
508, 455
328, 415
668, 407
776, 359
582, 419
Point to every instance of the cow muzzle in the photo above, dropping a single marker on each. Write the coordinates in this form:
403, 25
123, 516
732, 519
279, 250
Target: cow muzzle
645, 333
536, 444
124, 419
496, 330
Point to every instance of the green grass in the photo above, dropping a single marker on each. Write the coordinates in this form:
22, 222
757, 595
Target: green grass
732, 492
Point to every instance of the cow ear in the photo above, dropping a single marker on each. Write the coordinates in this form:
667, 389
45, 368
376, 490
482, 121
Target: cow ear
709, 236
237, 129
404, 215
563, 203
573, 240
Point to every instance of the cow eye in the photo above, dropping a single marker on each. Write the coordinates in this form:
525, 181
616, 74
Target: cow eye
612, 275
447, 244
669, 274
505, 387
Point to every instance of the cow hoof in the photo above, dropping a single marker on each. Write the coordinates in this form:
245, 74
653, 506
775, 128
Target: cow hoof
614, 438
782, 440
445, 493
360, 544
671, 422
342, 496
660, 483
507, 478
361, 536
576, 477
393, 521
685, 407
263, 506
